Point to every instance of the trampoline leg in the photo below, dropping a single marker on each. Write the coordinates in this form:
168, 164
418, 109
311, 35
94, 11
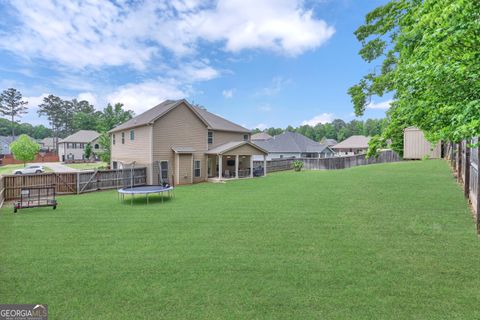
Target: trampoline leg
131, 199
161, 194
147, 198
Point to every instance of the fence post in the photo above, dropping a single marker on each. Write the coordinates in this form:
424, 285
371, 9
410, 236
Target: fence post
78, 182
478, 188
466, 182
459, 162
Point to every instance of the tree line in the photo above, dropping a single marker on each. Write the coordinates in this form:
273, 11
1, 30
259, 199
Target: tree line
337, 129
64, 116
427, 54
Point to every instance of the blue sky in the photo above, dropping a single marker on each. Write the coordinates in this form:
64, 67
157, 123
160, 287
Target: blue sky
258, 63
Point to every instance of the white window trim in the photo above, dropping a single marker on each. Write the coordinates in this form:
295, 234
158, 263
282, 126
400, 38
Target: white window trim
199, 168
168, 168
213, 137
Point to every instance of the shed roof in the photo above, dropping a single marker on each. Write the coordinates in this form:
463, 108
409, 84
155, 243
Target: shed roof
359, 142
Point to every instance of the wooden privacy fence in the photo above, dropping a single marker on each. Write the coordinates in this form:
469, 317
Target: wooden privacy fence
330, 163
2, 192
72, 182
464, 161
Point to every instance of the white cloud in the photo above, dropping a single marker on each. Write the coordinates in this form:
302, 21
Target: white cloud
276, 85
80, 34
228, 93
261, 126
142, 96
284, 26
88, 96
321, 118
34, 101
379, 106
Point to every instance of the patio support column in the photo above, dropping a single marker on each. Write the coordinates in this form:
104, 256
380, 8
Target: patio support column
236, 166
220, 167
264, 165
251, 166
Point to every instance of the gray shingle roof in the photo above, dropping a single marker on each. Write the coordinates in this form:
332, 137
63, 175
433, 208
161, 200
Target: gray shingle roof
329, 142
261, 136
359, 142
218, 123
211, 120
82, 136
290, 142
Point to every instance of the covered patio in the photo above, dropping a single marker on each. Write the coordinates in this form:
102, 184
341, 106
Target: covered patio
234, 160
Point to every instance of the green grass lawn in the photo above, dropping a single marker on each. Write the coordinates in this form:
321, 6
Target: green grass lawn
8, 169
87, 166
389, 241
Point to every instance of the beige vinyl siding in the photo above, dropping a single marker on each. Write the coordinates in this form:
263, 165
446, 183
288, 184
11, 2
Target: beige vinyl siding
222, 137
185, 169
137, 150
415, 146
180, 127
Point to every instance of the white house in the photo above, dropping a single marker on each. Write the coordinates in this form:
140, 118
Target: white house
73, 146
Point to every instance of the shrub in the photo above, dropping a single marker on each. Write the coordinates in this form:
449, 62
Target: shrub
297, 165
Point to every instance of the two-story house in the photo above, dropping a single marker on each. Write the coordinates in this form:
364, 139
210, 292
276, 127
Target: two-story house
73, 146
184, 144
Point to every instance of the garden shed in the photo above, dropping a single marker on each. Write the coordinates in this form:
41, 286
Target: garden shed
415, 146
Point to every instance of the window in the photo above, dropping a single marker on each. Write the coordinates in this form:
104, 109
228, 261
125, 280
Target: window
79, 146
281, 156
113, 140
164, 170
196, 168
114, 163
123, 137
96, 146
245, 137
210, 137
132, 135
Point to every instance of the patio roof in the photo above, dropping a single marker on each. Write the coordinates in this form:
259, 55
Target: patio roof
229, 146
183, 149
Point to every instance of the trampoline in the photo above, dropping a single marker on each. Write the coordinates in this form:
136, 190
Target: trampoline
146, 190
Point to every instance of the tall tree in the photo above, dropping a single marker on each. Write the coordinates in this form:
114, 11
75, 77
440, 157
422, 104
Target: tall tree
113, 116
53, 108
428, 51
12, 106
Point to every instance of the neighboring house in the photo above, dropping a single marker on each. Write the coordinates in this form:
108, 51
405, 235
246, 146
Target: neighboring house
73, 146
5, 142
352, 145
182, 144
415, 146
47, 144
328, 142
261, 136
293, 145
